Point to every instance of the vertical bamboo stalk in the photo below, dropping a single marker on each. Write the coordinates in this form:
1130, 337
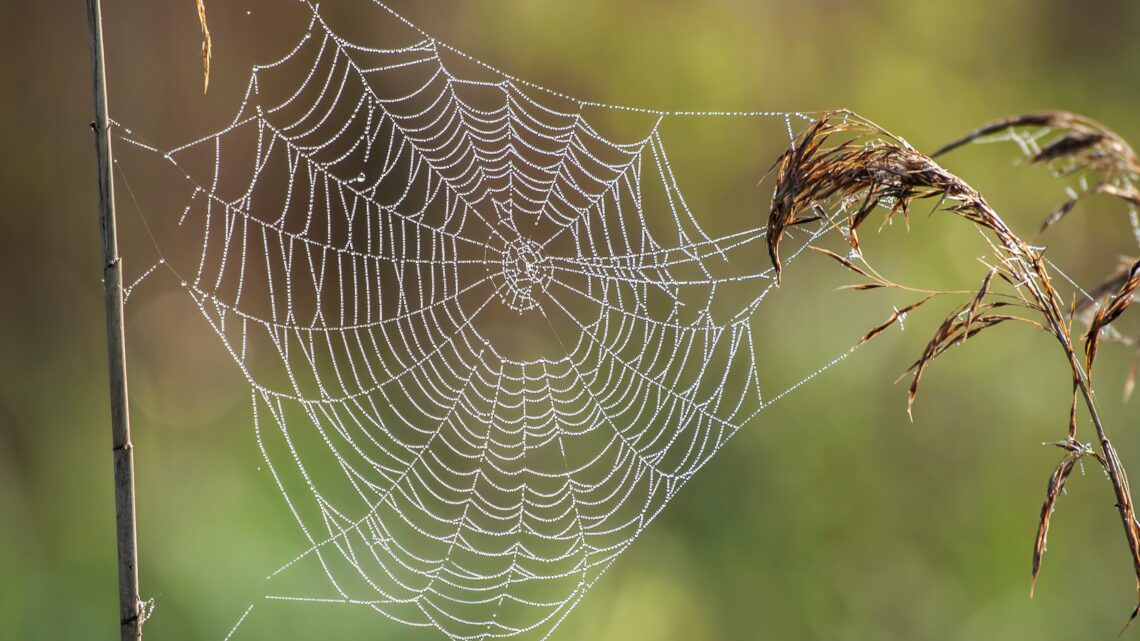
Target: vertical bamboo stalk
130, 623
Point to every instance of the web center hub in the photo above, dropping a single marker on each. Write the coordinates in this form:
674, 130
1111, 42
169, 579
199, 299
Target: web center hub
526, 272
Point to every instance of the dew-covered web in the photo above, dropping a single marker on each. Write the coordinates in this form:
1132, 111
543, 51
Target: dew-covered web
499, 341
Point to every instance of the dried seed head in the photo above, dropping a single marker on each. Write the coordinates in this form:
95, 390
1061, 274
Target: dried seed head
849, 165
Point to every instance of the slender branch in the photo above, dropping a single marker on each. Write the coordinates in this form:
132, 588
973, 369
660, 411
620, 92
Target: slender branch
130, 610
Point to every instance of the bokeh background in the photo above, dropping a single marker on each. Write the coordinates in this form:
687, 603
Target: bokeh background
831, 517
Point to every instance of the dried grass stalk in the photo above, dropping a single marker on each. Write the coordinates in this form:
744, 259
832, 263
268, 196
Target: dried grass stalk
846, 164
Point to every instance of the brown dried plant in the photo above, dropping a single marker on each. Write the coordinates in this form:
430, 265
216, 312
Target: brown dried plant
1083, 145
845, 164
207, 46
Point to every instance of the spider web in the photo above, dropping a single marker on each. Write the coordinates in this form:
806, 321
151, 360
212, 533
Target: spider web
500, 341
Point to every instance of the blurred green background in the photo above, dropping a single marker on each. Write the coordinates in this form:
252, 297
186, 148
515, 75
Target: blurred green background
831, 517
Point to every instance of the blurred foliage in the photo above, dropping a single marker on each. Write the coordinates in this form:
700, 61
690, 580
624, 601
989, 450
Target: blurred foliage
829, 518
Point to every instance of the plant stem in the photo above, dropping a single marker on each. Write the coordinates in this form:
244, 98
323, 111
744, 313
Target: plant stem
1046, 298
130, 620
